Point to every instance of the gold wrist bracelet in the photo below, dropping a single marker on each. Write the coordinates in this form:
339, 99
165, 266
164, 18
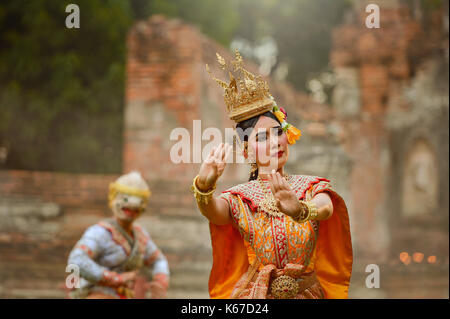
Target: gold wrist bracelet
201, 197
304, 213
310, 212
313, 211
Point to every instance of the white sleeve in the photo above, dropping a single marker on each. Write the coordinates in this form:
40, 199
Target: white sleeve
87, 249
156, 259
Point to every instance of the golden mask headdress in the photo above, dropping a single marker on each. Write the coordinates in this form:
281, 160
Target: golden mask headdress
247, 95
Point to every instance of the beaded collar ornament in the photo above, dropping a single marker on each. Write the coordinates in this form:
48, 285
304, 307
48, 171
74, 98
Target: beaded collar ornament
268, 205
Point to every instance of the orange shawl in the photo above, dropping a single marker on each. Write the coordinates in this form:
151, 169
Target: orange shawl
333, 253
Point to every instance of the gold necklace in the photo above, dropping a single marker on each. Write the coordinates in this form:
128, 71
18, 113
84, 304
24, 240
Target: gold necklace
269, 205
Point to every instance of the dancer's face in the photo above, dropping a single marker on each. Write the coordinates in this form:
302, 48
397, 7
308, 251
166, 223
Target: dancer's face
268, 144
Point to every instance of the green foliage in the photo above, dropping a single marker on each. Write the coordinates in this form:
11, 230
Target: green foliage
61, 90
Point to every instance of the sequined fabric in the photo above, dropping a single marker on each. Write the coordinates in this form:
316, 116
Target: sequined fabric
275, 240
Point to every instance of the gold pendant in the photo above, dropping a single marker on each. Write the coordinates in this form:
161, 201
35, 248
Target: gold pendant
269, 206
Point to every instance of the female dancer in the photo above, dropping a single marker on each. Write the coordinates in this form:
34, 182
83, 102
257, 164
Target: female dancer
277, 235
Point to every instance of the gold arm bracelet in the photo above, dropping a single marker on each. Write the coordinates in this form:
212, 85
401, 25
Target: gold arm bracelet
310, 209
201, 197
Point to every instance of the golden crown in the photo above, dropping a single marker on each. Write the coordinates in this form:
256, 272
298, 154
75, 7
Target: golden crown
246, 95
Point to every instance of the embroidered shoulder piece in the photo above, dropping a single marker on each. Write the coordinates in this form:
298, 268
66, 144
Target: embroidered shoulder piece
252, 194
120, 240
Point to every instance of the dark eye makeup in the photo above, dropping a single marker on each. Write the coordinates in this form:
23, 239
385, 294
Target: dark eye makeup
262, 136
279, 130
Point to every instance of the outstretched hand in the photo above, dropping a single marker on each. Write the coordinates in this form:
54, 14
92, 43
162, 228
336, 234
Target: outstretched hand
285, 197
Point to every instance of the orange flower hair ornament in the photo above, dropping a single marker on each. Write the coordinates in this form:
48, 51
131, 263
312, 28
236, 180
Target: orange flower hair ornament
292, 133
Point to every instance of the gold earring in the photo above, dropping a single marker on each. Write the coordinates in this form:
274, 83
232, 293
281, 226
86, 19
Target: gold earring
253, 169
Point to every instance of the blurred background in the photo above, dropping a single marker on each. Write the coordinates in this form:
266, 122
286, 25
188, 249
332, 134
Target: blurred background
80, 106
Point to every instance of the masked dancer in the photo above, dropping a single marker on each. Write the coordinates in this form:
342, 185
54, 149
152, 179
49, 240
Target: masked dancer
111, 254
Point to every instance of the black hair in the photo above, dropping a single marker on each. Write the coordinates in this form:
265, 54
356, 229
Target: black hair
244, 130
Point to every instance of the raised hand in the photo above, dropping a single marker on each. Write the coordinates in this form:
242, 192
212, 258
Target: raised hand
285, 197
213, 167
